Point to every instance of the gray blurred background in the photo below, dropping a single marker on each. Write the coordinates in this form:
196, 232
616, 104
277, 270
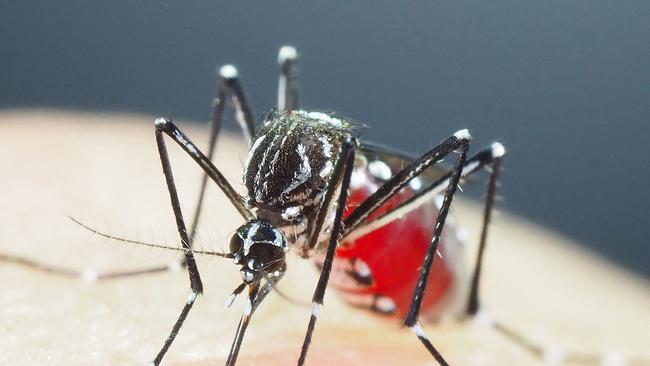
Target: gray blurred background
564, 84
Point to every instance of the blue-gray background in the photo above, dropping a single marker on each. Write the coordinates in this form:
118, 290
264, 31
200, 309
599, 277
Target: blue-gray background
564, 84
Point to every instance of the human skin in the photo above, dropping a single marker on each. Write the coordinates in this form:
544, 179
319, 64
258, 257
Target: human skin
104, 170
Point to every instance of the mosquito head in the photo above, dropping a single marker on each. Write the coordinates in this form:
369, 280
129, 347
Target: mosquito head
259, 247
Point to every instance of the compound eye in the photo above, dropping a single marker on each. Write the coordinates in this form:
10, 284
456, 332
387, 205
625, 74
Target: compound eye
267, 255
236, 244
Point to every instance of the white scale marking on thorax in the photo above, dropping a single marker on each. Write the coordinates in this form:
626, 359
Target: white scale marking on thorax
251, 152
323, 117
291, 212
327, 152
258, 176
303, 173
276, 156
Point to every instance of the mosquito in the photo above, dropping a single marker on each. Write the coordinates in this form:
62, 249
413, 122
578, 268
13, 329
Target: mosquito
298, 176
313, 187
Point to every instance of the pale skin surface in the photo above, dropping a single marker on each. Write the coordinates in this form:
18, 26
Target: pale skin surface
105, 171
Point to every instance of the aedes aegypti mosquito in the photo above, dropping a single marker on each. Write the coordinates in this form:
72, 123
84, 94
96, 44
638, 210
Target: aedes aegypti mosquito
313, 186
303, 169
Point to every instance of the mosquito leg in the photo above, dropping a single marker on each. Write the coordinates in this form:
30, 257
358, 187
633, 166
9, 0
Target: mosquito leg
215, 127
86, 275
195, 279
473, 299
557, 356
288, 85
242, 326
26, 262
411, 320
228, 85
89, 276
92, 276
168, 127
490, 157
474, 164
342, 173
487, 158
256, 295
459, 142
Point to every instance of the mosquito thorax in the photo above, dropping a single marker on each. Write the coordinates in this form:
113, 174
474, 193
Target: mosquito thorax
259, 247
289, 165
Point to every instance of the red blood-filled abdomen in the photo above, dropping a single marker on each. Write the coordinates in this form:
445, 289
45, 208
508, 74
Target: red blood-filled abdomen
393, 254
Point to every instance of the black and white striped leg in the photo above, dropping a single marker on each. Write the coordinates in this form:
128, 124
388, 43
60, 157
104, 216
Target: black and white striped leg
343, 173
195, 279
412, 316
476, 163
489, 159
414, 310
459, 143
288, 84
168, 127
